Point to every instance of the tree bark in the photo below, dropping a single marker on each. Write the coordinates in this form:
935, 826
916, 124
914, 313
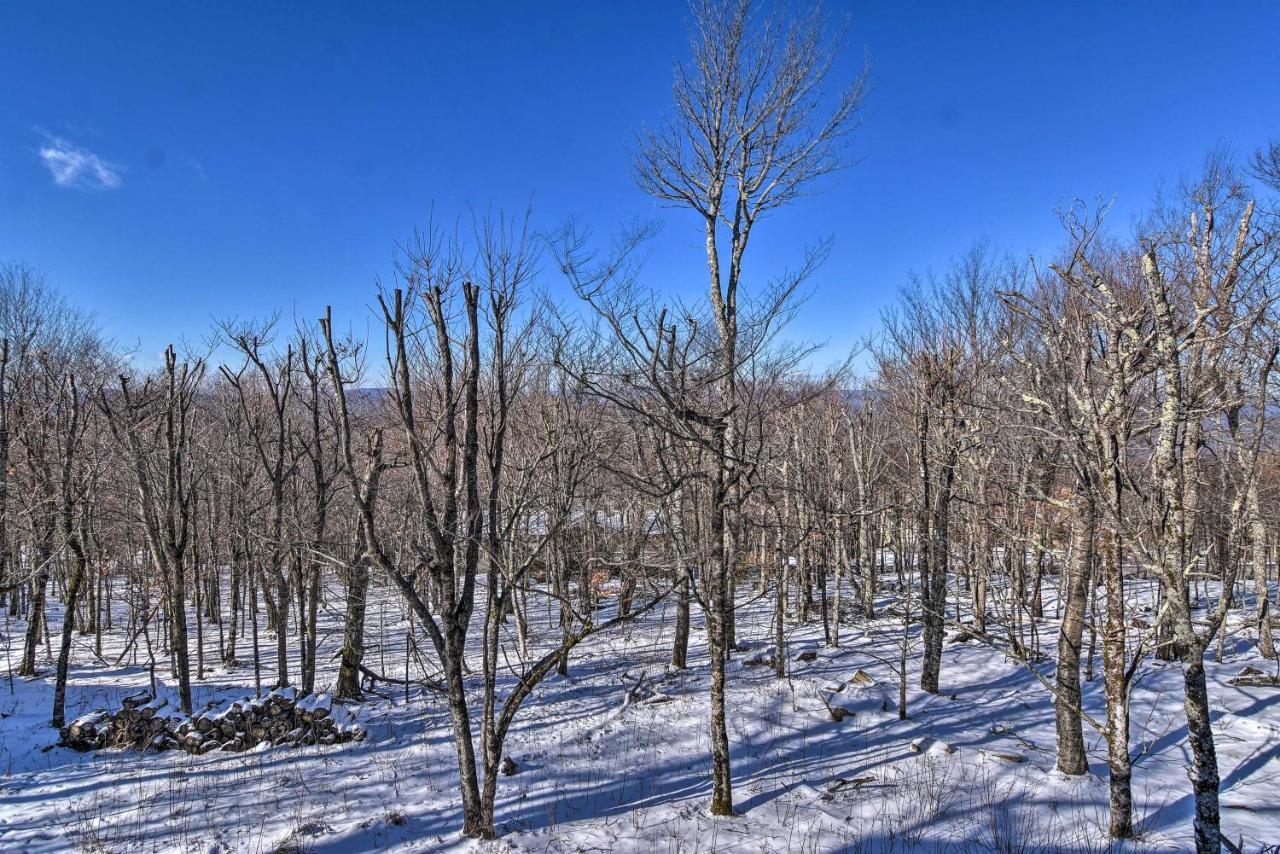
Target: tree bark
348, 686
1258, 563
1071, 754
1119, 765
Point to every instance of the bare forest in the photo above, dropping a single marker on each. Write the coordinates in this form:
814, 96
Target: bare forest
627, 571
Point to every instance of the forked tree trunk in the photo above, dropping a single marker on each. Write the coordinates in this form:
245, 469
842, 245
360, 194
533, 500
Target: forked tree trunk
474, 822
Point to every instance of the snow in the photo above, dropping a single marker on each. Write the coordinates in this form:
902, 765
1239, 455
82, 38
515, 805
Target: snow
615, 757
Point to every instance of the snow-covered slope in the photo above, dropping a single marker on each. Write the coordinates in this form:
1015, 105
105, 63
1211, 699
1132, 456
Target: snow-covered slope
604, 765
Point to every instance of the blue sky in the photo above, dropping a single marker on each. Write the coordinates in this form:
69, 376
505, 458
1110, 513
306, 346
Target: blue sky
165, 164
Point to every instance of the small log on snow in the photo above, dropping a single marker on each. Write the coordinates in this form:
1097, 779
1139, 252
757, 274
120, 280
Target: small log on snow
148, 710
839, 713
314, 707
178, 723
88, 724
87, 731
134, 700
1252, 677
856, 782
344, 725
281, 701
162, 741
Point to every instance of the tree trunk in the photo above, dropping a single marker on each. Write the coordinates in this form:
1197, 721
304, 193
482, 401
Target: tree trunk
717, 623
934, 593
928, 669
353, 627
1204, 756
178, 633
235, 606
680, 644
36, 607
1071, 755
780, 609
474, 824
1119, 765
74, 585
1258, 562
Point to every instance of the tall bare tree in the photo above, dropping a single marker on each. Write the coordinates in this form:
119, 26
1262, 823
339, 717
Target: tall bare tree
152, 421
752, 131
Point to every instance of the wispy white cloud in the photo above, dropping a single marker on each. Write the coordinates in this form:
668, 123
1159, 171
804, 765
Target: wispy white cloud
78, 168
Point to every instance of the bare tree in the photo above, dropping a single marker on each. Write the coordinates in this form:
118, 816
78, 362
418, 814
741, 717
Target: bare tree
1085, 386
152, 423
266, 404
1200, 280
751, 133
444, 371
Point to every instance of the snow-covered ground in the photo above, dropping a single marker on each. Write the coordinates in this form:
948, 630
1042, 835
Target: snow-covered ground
970, 770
